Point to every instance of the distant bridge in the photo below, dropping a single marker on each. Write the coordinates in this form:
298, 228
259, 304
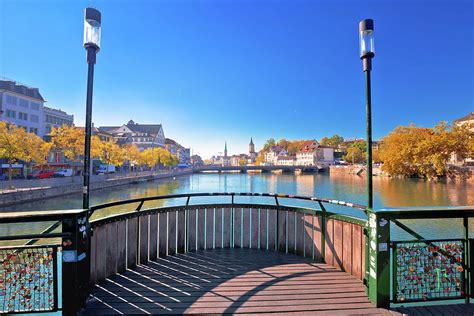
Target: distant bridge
217, 168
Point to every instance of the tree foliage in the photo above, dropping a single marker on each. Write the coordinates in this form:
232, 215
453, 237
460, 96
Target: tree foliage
415, 151
333, 141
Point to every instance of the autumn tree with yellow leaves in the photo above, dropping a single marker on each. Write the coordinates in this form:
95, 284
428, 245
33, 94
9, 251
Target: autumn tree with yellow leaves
416, 151
18, 145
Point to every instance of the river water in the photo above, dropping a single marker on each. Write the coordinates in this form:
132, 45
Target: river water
388, 192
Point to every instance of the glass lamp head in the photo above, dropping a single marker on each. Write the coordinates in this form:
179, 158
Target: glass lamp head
366, 38
92, 25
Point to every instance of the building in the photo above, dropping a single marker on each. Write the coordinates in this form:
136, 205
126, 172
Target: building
311, 154
184, 155
142, 135
273, 153
221, 160
21, 105
252, 153
468, 121
54, 118
285, 161
196, 161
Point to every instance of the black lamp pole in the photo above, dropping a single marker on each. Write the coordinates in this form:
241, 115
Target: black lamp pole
92, 50
366, 29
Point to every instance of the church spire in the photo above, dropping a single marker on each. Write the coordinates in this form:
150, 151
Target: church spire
225, 149
251, 141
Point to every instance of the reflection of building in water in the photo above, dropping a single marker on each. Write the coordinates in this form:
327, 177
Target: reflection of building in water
305, 184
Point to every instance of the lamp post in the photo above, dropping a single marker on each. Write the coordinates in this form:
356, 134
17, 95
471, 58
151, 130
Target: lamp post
366, 41
92, 25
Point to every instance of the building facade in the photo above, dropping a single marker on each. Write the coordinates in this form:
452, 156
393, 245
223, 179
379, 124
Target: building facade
142, 135
21, 105
311, 154
468, 121
54, 118
273, 153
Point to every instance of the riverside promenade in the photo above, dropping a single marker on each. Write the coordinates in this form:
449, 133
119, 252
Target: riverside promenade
20, 191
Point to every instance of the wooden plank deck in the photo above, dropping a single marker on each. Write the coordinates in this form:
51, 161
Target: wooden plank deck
244, 281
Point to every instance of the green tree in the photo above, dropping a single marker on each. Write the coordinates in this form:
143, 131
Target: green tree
268, 144
333, 141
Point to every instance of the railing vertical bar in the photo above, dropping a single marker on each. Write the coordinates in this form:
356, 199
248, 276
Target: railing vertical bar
167, 232
465, 260
214, 230
222, 230
323, 231
304, 233
126, 243
286, 231
205, 229
186, 223
296, 227
268, 226
394, 272
148, 247
312, 235
242, 227
232, 226
157, 235
176, 231
197, 230
250, 231
276, 226
258, 229
55, 279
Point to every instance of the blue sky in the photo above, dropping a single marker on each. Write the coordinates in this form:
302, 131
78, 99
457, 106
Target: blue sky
211, 71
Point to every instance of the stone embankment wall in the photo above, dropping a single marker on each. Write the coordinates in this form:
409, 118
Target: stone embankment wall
64, 186
355, 170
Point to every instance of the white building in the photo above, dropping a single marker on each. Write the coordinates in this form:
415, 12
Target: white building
142, 135
274, 152
468, 121
53, 118
311, 154
21, 105
285, 161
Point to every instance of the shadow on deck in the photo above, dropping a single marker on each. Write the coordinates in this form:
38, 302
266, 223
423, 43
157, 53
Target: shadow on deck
231, 281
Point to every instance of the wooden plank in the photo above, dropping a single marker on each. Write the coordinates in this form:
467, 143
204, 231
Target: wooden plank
347, 247
272, 214
308, 235
219, 220
93, 272
237, 227
300, 234
329, 250
201, 232
111, 251
209, 227
338, 239
181, 224
191, 229
172, 233
143, 232
246, 228
227, 231
163, 235
101, 253
122, 246
132, 235
357, 251
263, 228
291, 232
255, 228
282, 231
153, 251
317, 238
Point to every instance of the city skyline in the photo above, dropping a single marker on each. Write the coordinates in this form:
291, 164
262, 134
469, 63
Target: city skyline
268, 70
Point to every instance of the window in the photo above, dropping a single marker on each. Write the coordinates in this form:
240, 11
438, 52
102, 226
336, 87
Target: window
11, 99
35, 106
11, 113
23, 103
48, 129
34, 118
34, 130
23, 116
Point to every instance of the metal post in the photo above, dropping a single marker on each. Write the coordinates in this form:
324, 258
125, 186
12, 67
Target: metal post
367, 69
91, 58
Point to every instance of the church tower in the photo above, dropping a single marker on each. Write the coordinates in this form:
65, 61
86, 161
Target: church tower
252, 152
225, 150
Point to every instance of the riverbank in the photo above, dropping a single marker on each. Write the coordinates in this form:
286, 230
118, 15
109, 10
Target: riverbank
29, 191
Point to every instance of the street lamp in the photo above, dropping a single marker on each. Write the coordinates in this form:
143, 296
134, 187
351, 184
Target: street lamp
366, 41
92, 25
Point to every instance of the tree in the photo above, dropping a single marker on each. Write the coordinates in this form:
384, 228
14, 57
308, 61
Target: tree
259, 159
416, 151
333, 141
355, 155
35, 149
131, 153
110, 153
283, 143
269, 144
69, 140
294, 146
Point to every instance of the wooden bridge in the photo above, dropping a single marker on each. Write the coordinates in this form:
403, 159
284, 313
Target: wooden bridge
216, 168
166, 255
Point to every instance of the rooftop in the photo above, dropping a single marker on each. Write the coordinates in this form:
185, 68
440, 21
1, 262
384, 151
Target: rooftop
20, 88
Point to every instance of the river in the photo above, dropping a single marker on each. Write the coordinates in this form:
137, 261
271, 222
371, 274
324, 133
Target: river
388, 192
